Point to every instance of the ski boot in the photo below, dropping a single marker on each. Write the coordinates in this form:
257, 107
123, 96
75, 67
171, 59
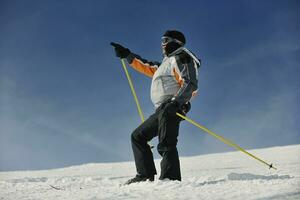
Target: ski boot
140, 178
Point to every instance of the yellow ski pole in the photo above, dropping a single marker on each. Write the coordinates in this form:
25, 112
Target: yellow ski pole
226, 141
133, 91
134, 94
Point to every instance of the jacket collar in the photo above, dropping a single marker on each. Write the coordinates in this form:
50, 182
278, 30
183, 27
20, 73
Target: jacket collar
177, 51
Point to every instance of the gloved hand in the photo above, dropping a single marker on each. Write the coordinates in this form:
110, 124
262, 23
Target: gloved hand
185, 108
171, 107
121, 51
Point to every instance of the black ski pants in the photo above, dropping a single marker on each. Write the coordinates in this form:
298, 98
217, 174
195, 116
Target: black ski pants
166, 127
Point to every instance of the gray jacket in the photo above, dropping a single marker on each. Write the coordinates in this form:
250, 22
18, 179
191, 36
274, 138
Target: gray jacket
175, 77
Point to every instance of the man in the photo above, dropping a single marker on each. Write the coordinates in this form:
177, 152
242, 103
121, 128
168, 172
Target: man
174, 82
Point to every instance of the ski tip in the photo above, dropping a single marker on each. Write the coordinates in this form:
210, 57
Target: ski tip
56, 187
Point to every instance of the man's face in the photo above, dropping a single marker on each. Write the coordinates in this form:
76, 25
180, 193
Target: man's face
163, 47
164, 41
172, 44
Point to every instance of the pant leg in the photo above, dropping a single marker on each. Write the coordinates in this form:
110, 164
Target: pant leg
168, 130
141, 150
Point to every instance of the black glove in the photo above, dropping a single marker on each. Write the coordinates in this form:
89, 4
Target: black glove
185, 108
121, 51
171, 107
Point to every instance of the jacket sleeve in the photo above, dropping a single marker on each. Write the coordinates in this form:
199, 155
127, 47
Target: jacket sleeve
186, 73
142, 65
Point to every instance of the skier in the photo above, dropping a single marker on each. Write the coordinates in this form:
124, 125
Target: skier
174, 82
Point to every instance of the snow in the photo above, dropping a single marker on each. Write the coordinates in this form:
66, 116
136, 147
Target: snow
231, 175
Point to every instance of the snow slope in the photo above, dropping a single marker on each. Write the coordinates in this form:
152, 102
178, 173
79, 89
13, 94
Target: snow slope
230, 175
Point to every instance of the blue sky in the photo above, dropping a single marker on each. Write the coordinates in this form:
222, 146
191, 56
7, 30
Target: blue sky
65, 100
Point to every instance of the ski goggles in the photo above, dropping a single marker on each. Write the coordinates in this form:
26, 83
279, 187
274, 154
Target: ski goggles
165, 40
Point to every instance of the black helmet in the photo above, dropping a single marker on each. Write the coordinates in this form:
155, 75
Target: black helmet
176, 35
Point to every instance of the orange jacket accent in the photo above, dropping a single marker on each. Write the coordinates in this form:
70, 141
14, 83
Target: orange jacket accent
178, 77
144, 68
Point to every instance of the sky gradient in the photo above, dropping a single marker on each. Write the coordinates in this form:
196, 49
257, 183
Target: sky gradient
65, 100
